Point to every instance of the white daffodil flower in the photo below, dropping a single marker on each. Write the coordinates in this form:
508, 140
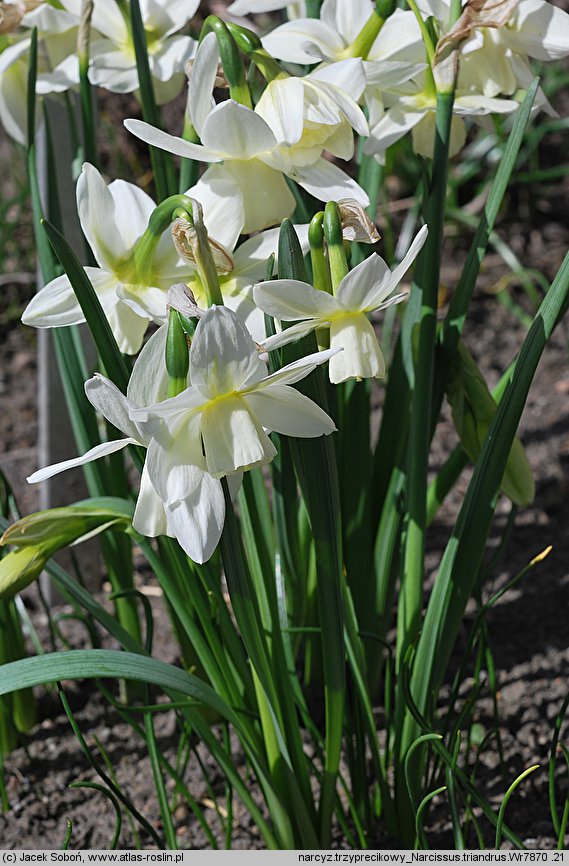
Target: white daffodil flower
58, 67
366, 289
230, 404
413, 107
252, 7
113, 62
495, 60
316, 112
196, 519
254, 155
238, 269
113, 219
330, 37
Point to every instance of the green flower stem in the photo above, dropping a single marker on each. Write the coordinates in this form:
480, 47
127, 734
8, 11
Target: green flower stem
361, 45
421, 331
85, 90
320, 270
250, 43
231, 60
336, 252
160, 221
204, 259
429, 47
162, 165
189, 168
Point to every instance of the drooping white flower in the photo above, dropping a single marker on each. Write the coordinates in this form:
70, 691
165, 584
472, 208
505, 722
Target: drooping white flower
231, 402
495, 60
196, 519
58, 67
412, 107
365, 289
113, 219
316, 112
255, 153
113, 62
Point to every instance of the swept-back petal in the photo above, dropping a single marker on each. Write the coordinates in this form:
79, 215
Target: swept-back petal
223, 355
293, 372
223, 210
347, 18
132, 210
394, 124
289, 300
93, 454
172, 143
539, 29
148, 383
399, 272
327, 182
251, 256
287, 411
55, 305
266, 197
202, 81
96, 207
112, 403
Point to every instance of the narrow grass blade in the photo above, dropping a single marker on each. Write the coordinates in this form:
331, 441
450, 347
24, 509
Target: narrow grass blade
504, 803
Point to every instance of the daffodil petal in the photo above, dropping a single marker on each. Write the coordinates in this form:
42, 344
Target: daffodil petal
172, 143
112, 404
281, 106
96, 207
360, 285
293, 372
148, 383
266, 197
327, 182
304, 41
289, 300
287, 411
202, 81
394, 124
93, 454
54, 306
223, 355
237, 131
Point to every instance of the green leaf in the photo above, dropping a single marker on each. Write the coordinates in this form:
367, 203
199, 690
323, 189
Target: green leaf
38, 536
90, 664
473, 408
99, 326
